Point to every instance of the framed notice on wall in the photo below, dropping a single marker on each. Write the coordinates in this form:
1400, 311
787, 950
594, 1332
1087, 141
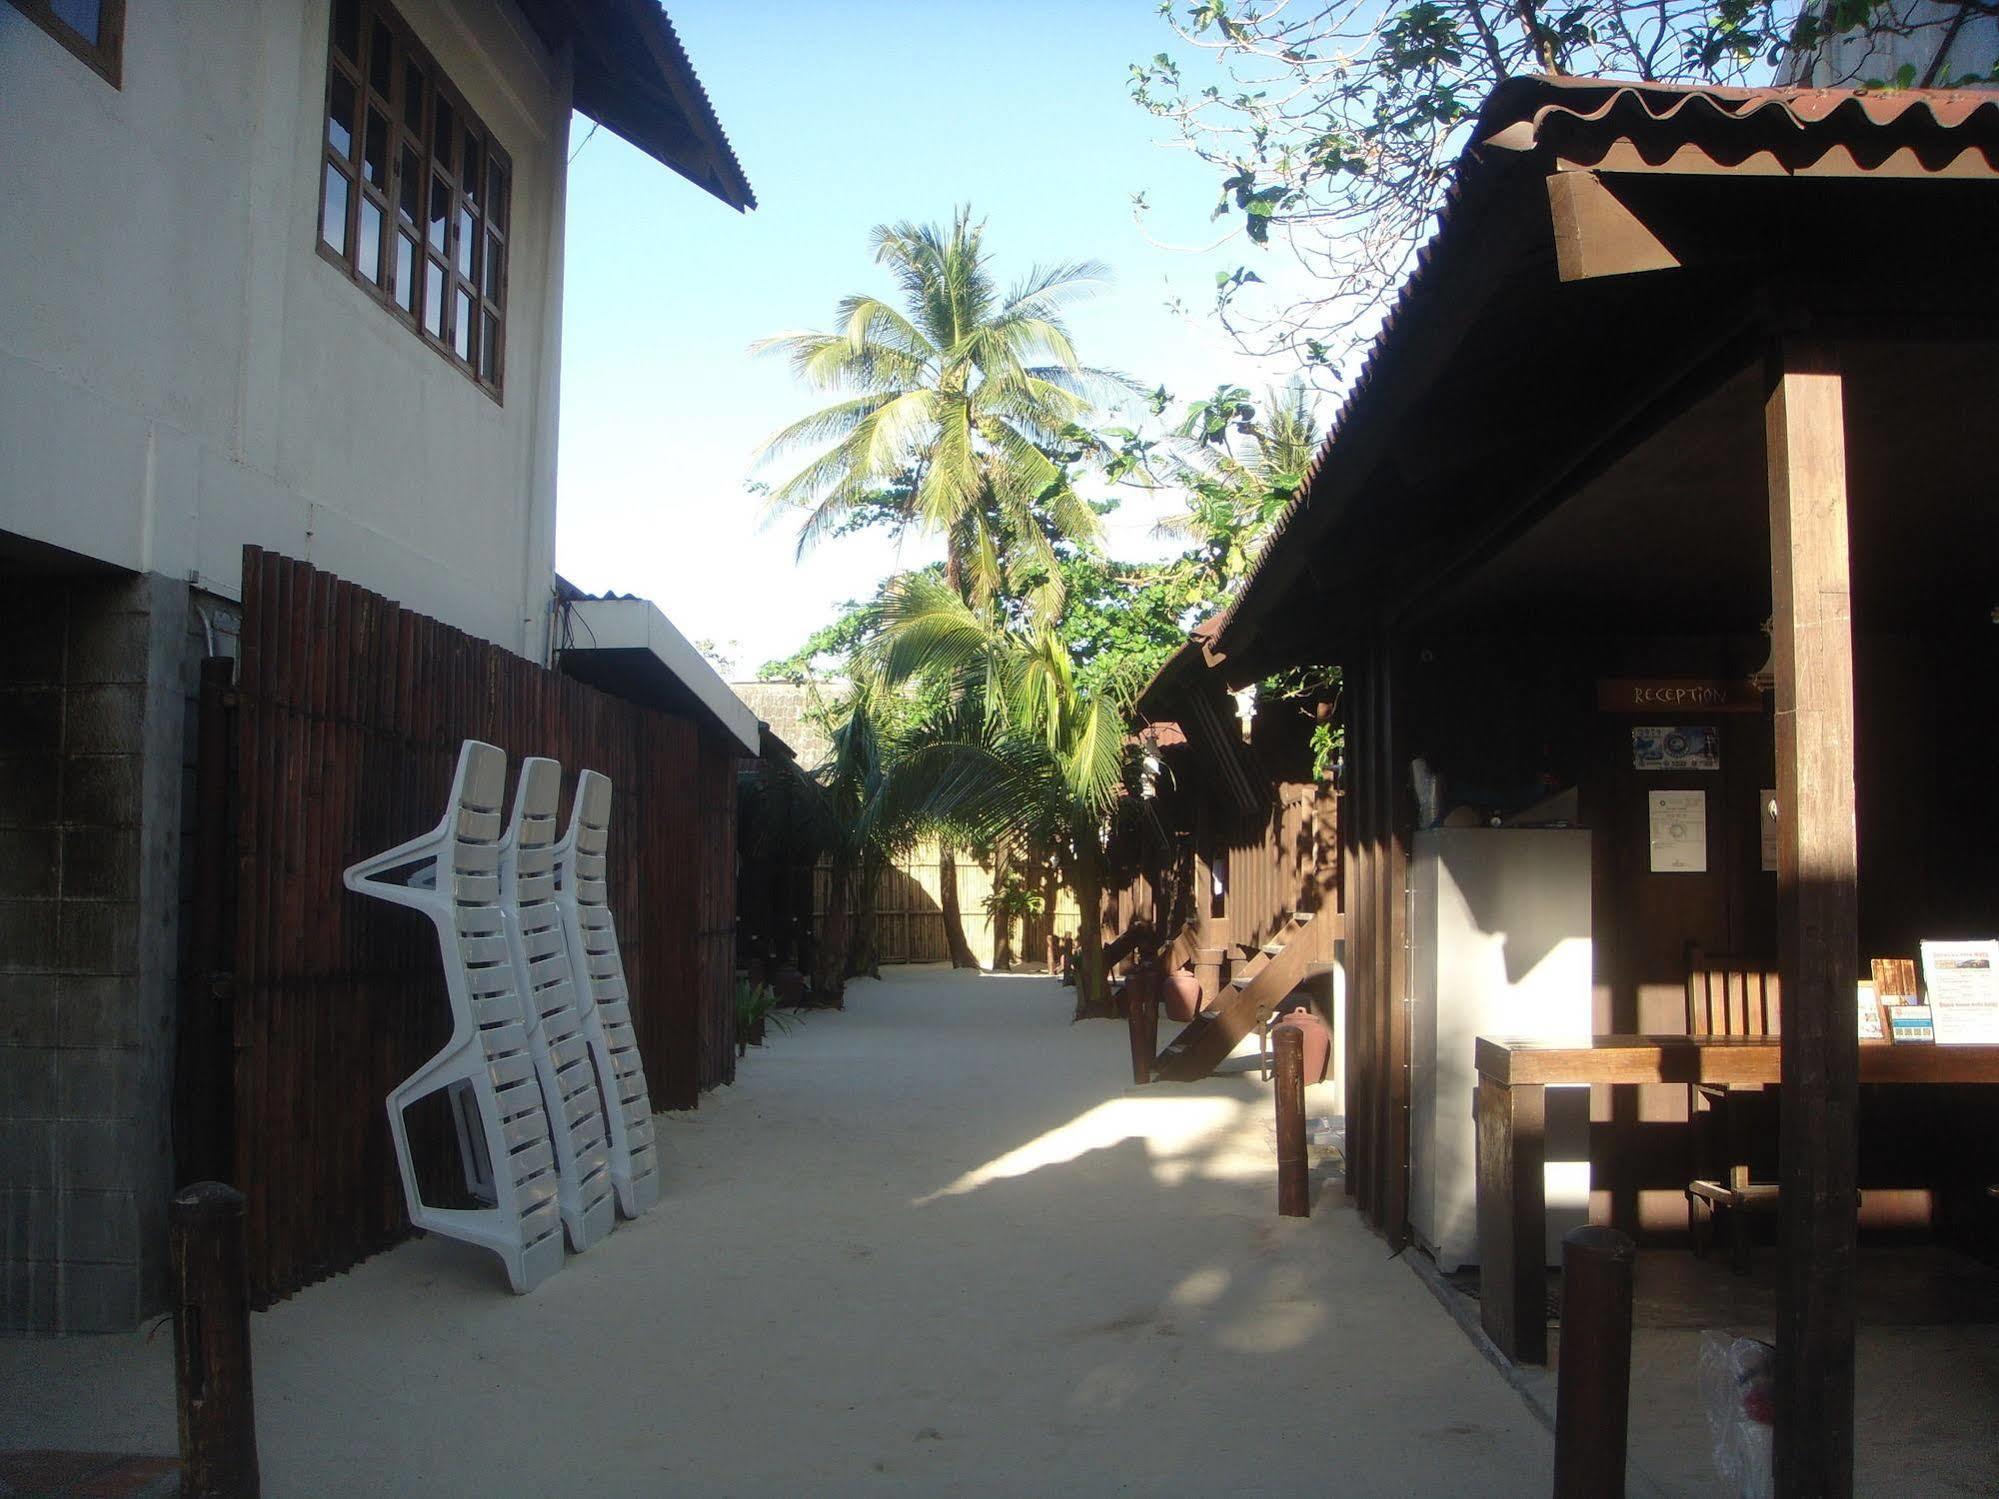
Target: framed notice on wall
1963, 980
1679, 831
1675, 747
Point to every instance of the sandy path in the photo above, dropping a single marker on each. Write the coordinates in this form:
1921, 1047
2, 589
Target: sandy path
927, 1246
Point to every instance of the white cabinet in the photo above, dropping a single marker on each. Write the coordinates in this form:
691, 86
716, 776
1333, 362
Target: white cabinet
1500, 946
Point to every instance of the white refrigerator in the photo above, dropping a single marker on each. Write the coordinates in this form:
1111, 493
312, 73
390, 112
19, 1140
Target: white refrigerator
1500, 946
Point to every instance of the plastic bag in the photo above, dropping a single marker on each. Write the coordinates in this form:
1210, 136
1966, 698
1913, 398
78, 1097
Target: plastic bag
1738, 1391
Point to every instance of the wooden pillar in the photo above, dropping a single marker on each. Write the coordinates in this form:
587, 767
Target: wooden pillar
1210, 931
218, 1425
1818, 948
1392, 871
1362, 1081
1512, 1206
1294, 1185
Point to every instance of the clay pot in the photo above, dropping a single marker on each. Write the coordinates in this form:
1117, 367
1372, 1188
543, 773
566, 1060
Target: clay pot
1180, 993
1317, 1038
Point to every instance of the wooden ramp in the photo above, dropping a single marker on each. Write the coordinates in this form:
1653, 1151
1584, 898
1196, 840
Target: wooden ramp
1250, 996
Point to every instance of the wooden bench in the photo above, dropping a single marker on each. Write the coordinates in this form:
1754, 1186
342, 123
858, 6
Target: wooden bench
1513, 1077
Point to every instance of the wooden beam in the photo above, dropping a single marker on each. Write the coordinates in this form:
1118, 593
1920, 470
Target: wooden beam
1597, 234
1818, 944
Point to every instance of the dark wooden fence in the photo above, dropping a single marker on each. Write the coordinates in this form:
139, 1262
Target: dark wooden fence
312, 1003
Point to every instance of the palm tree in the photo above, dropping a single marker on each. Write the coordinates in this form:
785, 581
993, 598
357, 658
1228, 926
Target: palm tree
1241, 472
950, 407
1023, 757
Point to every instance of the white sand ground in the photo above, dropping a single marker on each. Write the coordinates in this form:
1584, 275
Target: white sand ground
932, 1245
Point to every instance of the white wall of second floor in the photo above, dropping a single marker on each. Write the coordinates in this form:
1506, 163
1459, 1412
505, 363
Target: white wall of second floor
182, 373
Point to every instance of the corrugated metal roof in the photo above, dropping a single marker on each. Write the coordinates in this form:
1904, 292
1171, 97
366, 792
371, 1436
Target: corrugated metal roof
1664, 128
633, 77
734, 185
1849, 132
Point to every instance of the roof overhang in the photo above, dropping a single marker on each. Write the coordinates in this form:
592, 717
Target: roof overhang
1609, 255
633, 78
630, 649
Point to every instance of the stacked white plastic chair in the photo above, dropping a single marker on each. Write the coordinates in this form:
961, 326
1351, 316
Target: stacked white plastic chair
555, 1025
452, 875
605, 1004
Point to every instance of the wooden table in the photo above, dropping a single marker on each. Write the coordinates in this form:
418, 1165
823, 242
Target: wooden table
1512, 1147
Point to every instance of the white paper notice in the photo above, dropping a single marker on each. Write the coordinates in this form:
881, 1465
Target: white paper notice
1679, 832
1768, 817
1963, 979
1870, 1013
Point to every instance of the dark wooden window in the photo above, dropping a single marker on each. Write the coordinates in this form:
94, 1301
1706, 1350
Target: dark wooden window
413, 191
93, 29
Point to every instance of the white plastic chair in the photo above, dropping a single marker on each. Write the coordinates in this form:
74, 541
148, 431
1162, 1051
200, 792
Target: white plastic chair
605, 1002
451, 874
554, 1024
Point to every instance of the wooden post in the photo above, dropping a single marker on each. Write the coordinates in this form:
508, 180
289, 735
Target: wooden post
1141, 1012
1512, 1214
1294, 1189
1818, 942
1593, 1385
218, 1431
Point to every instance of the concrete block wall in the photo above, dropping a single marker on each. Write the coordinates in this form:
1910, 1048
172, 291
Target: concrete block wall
91, 715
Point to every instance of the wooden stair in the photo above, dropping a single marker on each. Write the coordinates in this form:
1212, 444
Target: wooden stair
1250, 995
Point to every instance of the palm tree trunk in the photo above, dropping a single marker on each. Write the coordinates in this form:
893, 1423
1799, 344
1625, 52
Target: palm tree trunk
1092, 994
954, 919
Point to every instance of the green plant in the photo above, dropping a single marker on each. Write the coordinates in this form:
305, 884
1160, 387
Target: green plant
1013, 899
757, 1003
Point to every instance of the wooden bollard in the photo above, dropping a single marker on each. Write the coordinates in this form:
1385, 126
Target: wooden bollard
1141, 1014
1593, 1383
1294, 1189
218, 1429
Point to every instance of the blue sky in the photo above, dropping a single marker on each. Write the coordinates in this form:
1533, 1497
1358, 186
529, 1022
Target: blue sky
844, 116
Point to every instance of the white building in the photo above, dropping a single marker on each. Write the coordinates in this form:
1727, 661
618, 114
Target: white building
283, 272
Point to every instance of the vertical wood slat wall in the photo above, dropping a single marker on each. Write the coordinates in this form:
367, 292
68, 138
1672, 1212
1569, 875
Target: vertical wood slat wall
1281, 869
1375, 872
349, 714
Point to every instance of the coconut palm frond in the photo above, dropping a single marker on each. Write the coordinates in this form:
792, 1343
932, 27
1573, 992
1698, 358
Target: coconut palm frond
822, 425
869, 324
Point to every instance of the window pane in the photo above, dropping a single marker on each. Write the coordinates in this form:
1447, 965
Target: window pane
413, 97
85, 17
340, 116
440, 211
347, 26
461, 324
375, 152
444, 134
411, 187
333, 211
494, 252
489, 348
405, 273
468, 243
433, 298
496, 192
368, 252
381, 60
472, 177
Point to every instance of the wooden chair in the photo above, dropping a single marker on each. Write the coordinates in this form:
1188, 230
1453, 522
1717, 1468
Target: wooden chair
1727, 996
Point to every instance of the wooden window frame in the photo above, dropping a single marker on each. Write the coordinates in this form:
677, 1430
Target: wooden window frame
477, 213
105, 56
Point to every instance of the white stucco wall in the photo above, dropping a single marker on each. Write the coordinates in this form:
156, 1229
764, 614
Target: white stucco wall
181, 373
